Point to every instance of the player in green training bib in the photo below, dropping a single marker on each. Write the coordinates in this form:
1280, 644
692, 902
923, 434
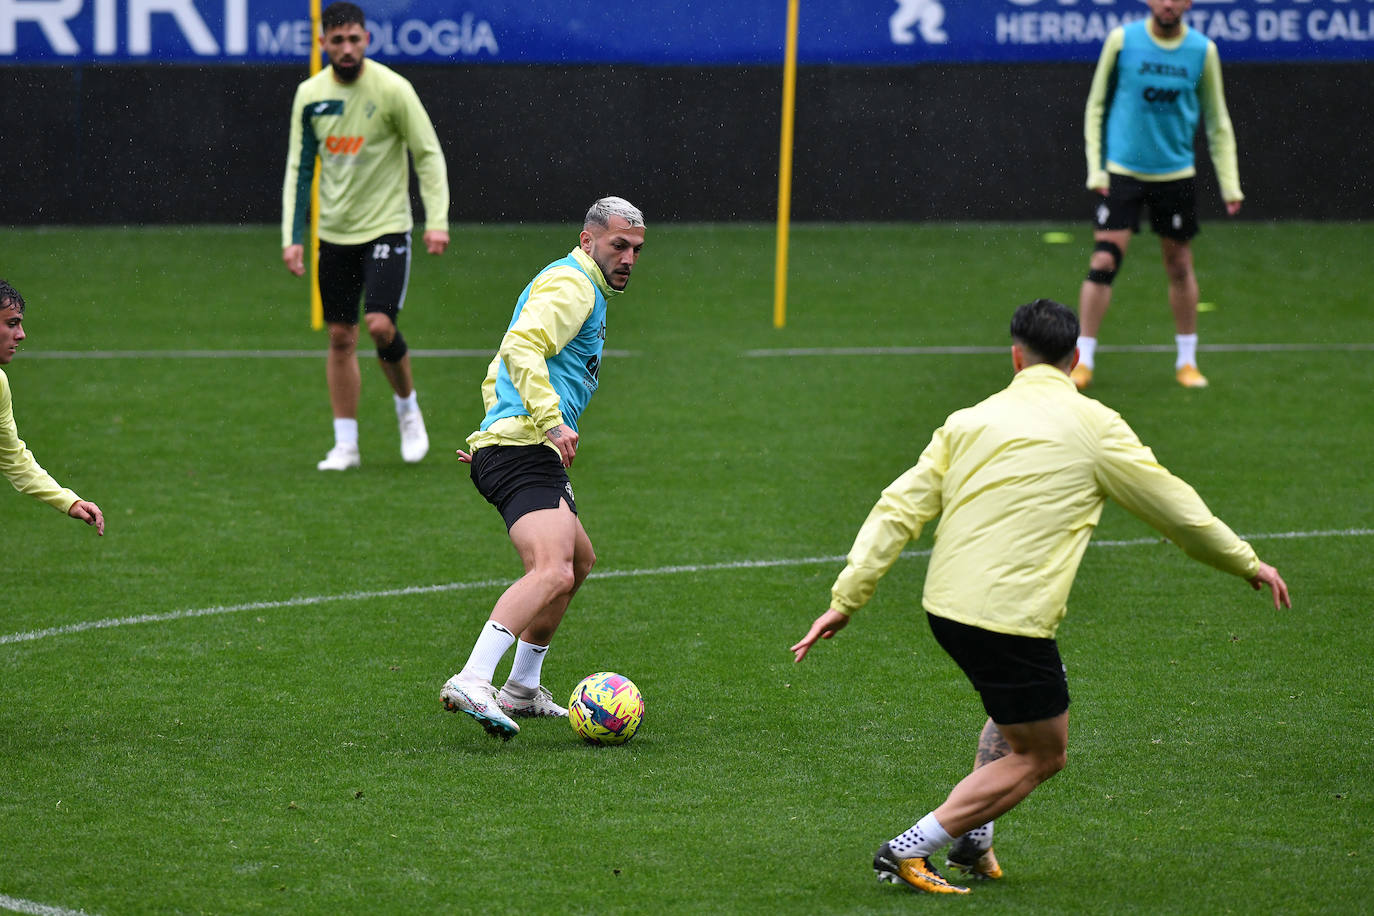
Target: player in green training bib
544, 373
1154, 78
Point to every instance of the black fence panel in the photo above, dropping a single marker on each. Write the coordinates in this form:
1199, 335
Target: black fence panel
185, 144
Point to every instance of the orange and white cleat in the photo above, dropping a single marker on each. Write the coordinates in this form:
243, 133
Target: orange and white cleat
969, 860
1082, 376
916, 872
1189, 377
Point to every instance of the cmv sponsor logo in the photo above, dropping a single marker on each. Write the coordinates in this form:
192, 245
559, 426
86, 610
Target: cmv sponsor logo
1154, 94
344, 146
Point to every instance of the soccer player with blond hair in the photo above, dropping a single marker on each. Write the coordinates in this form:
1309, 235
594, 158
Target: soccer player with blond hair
542, 377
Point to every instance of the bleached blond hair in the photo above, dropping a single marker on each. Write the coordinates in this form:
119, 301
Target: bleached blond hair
604, 209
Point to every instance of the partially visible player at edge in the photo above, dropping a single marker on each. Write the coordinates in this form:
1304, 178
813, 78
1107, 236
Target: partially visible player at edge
360, 118
1019, 482
1152, 78
16, 461
546, 370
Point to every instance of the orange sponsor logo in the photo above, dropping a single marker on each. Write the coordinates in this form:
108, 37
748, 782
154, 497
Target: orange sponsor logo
344, 146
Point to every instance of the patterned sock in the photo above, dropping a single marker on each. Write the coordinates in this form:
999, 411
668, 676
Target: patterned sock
924, 838
980, 837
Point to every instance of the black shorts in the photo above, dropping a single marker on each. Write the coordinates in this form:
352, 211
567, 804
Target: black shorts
520, 479
1173, 206
1020, 678
380, 268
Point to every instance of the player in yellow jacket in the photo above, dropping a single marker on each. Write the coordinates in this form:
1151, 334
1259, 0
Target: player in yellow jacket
16, 461
1018, 482
361, 118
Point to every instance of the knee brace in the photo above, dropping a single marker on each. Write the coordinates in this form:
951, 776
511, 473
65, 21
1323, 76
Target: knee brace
1105, 277
393, 351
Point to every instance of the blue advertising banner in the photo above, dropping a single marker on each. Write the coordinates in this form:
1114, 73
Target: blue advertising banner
693, 32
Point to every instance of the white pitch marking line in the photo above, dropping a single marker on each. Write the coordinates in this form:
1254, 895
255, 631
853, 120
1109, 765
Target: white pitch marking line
1105, 348
249, 354
29, 908
110, 622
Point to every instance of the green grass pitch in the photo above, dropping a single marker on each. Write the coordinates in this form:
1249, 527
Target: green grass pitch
287, 752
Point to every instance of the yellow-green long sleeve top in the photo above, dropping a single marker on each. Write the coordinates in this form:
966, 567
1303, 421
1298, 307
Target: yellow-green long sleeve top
1019, 481
361, 132
18, 464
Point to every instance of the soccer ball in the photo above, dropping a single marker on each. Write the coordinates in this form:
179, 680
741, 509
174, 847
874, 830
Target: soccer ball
605, 708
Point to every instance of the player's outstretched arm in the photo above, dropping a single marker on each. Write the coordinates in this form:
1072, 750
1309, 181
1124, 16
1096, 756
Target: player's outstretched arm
826, 626
1269, 576
89, 513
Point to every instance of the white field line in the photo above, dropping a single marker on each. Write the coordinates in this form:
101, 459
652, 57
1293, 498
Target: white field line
250, 354
748, 354
28, 907
1105, 348
186, 613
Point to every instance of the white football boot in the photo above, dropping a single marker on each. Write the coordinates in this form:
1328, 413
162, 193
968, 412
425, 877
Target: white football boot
341, 458
477, 698
414, 439
521, 702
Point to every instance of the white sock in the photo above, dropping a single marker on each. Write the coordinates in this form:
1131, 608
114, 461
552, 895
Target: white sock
925, 838
529, 662
1187, 350
345, 431
491, 645
981, 837
1087, 350
406, 404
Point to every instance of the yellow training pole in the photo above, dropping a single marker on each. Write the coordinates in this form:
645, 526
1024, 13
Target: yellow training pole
789, 99
316, 305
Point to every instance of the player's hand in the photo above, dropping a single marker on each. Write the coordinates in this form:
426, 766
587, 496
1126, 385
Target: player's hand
1269, 576
1232, 207
826, 626
294, 258
463, 456
436, 240
1102, 190
89, 513
564, 439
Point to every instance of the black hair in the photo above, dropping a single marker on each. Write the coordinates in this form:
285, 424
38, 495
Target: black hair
10, 298
1046, 328
340, 14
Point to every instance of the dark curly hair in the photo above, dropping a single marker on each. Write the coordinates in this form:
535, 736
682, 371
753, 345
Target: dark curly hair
10, 298
337, 14
1046, 328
